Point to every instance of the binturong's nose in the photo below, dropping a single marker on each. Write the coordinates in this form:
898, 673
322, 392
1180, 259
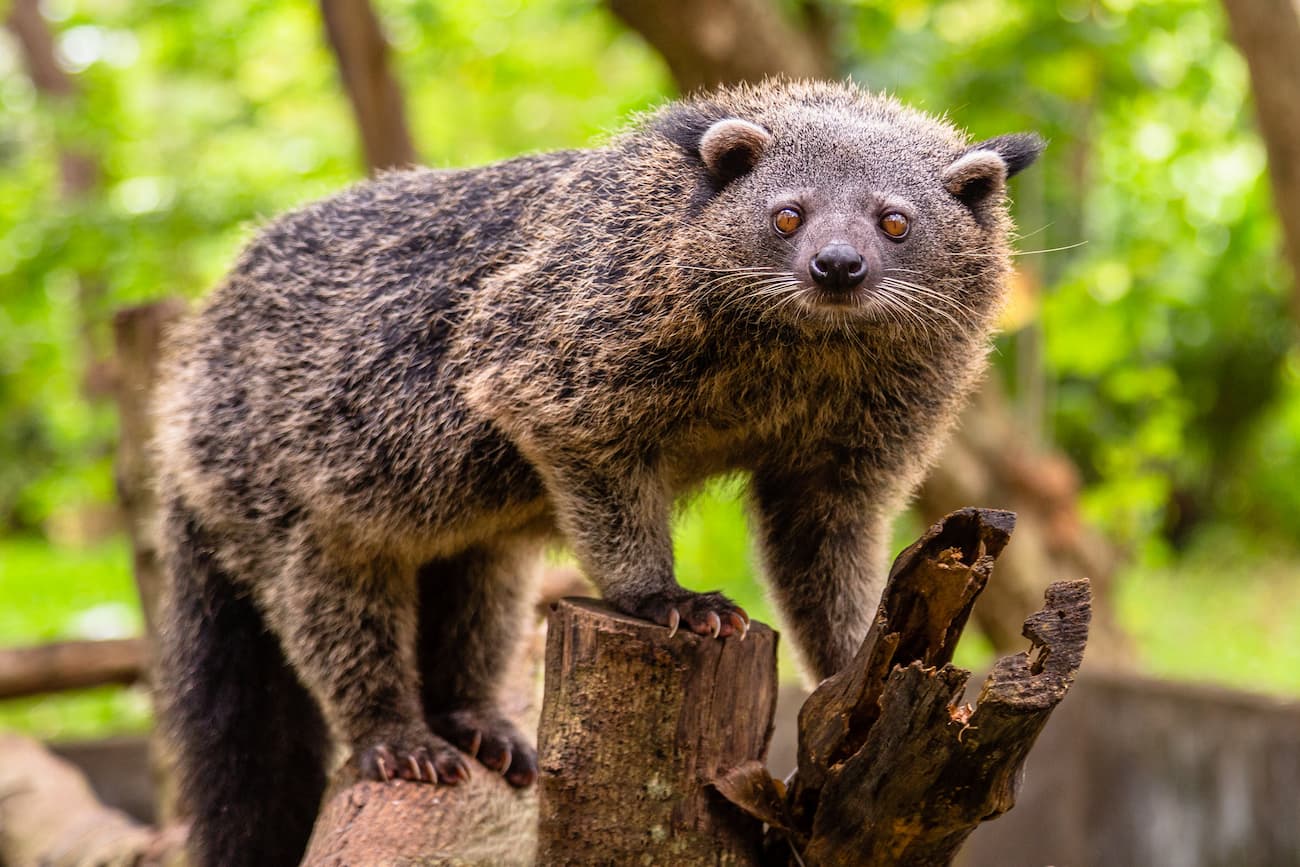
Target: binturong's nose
838, 267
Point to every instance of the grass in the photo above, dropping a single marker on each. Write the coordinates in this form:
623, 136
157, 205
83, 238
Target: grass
1221, 615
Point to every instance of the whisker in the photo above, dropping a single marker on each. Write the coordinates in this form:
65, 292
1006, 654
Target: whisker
937, 297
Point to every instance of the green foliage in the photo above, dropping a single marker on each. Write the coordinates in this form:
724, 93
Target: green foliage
1165, 334
1167, 357
52, 593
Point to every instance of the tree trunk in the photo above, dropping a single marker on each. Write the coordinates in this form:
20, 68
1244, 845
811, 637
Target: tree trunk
711, 42
139, 334
1268, 34
634, 724
991, 459
79, 175
362, 54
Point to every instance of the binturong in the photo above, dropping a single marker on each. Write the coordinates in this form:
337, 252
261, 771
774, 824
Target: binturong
401, 394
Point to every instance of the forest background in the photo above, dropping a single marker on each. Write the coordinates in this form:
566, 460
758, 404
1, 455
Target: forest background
1151, 343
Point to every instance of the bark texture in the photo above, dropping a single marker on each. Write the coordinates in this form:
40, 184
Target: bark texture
992, 459
362, 54
482, 821
634, 724
1268, 34
892, 768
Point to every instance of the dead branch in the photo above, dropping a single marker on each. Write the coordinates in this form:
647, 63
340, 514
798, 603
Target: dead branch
68, 665
49, 816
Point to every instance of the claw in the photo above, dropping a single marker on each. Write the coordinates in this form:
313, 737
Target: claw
475, 744
674, 620
715, 624
415, 768
431, 770
383, 768
739, 624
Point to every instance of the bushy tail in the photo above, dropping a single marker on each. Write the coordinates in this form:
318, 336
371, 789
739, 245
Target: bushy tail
250, 743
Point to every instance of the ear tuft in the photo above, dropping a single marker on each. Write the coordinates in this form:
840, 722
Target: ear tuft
731, 147
976, 175
984, 168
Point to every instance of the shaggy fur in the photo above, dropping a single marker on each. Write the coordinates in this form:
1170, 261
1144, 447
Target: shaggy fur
401, 393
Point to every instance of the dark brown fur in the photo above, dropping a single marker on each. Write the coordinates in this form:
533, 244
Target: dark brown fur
400, 394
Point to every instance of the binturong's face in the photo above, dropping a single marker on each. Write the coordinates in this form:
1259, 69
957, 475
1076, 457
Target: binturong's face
832, 205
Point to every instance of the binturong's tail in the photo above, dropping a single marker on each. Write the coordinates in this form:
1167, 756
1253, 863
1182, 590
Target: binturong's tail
249, 743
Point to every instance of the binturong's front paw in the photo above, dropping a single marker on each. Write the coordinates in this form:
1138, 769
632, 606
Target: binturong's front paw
425, 758
701, 613
493, 740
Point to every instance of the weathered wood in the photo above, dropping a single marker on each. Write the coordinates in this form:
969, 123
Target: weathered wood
68, 665
932, 588
931, 771
891, 770
50, 817
635, 724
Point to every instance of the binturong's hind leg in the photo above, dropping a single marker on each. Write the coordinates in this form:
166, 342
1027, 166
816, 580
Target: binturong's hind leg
473, 607
348, 627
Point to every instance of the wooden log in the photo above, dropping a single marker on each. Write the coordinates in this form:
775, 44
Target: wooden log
68, 665
482, 821
49, 816
635, 724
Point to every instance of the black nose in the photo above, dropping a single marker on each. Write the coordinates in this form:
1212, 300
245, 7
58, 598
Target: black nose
838, 266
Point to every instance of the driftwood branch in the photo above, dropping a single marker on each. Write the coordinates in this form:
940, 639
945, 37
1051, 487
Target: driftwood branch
68, 665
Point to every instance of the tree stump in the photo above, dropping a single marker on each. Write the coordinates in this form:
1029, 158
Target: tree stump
892, 768
634, 725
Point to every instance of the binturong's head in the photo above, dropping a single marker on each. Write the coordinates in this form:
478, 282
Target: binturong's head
824, 203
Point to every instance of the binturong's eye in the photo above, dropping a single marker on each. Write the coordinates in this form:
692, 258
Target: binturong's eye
895, 225
787, 221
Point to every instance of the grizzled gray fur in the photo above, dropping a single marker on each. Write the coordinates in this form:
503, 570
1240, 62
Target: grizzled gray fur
401, 394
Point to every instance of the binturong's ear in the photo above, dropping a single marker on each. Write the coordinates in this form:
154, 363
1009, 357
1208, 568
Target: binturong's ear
984, 168
731, 147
